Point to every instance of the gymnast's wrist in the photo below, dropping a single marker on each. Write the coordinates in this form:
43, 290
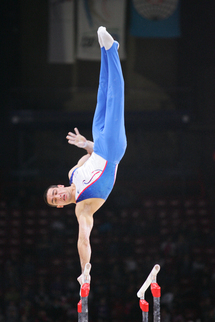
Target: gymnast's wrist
89, 146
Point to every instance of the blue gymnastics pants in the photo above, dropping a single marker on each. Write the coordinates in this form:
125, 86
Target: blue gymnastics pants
108, 123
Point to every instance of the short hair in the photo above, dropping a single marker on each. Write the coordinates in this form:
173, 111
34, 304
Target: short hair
45, 195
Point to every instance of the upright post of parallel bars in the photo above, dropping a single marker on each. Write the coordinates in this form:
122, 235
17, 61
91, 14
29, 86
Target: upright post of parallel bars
155, 289
82, 306
156, 293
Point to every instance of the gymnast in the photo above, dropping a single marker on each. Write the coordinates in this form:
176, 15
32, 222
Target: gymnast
93, 177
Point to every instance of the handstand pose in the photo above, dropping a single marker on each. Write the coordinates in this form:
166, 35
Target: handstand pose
93, 177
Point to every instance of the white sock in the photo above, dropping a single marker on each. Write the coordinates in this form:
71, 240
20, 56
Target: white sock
105, 38
99, 37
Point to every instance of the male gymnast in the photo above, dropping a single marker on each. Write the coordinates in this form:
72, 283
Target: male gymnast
93, 177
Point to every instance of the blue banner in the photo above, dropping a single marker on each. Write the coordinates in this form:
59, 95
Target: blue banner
155, 18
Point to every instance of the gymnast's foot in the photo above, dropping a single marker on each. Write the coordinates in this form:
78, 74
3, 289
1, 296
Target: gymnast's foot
105, 39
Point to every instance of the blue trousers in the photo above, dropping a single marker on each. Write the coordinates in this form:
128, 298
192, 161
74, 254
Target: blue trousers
108, 123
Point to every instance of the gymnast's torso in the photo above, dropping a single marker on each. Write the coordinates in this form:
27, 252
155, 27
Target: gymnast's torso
94, 179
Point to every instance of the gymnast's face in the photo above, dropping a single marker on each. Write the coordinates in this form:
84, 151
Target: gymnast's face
59, 196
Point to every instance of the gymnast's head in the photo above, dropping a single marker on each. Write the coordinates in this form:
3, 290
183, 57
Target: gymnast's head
59, 196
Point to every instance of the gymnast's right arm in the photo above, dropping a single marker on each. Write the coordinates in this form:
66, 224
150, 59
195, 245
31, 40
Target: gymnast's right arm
80, 141
85, 221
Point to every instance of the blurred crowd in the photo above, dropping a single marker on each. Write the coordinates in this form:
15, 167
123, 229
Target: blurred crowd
40, 264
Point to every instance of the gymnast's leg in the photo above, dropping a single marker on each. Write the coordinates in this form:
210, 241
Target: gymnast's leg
114, 136
99, 116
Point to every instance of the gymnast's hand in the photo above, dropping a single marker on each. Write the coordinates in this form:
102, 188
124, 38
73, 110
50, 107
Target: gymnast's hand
84, 279
77, 139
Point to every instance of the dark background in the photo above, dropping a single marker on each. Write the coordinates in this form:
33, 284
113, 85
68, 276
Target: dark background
169, 109
165, 79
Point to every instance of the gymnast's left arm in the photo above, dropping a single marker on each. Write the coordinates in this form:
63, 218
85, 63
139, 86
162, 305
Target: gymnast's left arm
80, 141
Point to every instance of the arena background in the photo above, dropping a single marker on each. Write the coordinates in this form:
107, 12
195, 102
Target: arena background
162, 207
